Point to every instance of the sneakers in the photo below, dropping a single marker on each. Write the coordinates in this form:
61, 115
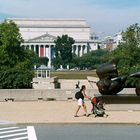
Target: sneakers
87, 115
76, 116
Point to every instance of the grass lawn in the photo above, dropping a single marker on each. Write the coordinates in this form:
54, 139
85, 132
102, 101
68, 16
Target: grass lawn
73, 74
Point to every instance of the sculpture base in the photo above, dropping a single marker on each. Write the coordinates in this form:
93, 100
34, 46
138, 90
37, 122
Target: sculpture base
121, 99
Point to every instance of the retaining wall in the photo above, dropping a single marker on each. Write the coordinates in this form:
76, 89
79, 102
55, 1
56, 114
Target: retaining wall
48, 94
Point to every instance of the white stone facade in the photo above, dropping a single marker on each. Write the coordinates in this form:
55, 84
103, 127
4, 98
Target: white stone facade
39, 35
117, 39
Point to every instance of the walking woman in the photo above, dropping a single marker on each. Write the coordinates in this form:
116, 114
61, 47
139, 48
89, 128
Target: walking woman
81, 101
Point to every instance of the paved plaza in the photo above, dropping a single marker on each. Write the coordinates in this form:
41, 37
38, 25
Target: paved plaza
63, 112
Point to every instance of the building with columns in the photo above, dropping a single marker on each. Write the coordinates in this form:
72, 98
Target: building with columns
39, 35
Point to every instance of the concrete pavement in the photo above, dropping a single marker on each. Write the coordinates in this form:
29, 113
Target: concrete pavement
63, 112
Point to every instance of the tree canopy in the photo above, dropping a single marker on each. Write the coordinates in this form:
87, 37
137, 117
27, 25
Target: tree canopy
15, 63
92, 59
128, 53
63, 51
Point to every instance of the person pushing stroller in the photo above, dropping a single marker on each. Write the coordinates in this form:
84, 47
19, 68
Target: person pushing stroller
80, 95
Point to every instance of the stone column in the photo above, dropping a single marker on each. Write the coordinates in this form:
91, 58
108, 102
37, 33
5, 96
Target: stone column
76, 51
41, 74
81, 50
49, 55
30, 47
49, 73
39, 50
85, 50
46, 50
46, 73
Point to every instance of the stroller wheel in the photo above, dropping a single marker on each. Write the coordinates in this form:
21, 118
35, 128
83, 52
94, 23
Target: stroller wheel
106, 115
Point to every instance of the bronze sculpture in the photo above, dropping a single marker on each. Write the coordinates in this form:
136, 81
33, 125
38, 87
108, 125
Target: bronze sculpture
110, 83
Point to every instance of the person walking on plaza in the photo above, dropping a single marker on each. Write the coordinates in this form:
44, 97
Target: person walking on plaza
81, 101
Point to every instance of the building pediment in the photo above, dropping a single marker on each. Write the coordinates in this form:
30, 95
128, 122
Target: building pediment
43, 38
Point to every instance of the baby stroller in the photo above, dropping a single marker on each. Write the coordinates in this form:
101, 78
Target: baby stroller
98, 107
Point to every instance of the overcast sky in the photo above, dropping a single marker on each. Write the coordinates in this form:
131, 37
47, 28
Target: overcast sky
104, 16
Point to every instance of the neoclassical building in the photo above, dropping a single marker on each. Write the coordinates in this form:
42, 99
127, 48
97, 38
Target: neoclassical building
39, 35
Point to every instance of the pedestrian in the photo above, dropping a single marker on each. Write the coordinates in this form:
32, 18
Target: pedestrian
77, 85
81, 101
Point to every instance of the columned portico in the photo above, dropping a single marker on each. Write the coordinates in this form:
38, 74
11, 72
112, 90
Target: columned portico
39, 35
45, 48
80, 48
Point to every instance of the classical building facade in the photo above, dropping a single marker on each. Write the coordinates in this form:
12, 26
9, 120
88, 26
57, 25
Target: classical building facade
39, 35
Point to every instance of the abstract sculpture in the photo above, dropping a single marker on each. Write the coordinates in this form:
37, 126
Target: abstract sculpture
109, 82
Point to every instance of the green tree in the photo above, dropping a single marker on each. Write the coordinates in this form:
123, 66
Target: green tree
63, 51
92, 59
43, 61
128, 53
10, 40
15, 63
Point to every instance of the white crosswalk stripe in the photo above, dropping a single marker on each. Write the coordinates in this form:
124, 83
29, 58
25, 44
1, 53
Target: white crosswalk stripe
18, 133
6, 128
13, 131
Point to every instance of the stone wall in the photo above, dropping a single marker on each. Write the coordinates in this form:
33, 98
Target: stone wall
46, 94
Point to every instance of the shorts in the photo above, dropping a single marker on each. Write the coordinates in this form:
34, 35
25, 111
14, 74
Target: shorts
81, 102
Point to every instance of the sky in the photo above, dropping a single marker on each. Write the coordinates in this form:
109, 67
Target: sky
105, 17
